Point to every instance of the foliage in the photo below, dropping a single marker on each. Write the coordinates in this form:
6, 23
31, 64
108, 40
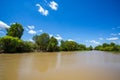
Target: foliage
108, 47
82, 47
15, 30
53, 45
10, 44
90, 48
28, 46
69, 46
42, 41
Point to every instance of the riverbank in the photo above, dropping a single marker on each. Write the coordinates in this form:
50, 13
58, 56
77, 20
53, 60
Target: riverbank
113, 52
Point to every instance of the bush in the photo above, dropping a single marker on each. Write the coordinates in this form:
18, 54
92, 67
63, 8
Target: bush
108, 47
68, 46
28, 46
10, 44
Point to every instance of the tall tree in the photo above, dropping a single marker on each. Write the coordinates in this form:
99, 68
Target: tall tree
81, 47
53, 45
69, 45
42, 41
90, 48
15, 30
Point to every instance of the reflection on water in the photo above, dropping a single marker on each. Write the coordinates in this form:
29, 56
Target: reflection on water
89, 65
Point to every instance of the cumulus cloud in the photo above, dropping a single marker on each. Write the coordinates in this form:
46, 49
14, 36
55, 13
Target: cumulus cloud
42, 10
58, 37
70, 40
31, 27
53, 5
32, 32
112, 39
4, 25
95, 42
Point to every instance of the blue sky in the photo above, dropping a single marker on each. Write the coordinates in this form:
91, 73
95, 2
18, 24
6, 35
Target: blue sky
90, 22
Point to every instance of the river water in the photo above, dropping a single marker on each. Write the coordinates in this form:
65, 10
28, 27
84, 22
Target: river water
86, 65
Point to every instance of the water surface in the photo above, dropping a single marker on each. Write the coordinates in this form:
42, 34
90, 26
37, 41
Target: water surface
87, 65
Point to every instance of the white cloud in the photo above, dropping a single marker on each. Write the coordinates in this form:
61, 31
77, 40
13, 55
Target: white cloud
42, 10
70, 40
31, 27
100, 38
32, 32
112, 39
94, 42
53, 5
4, 25
58, 37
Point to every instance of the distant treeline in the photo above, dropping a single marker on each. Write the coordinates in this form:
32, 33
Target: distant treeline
44, 42
12, 43
108, 47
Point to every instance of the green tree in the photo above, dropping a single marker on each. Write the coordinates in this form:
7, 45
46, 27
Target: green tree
15, 30
99, 47
42, 41
28, 46
69, 46
108, 47
81, 47
105, 44
112, 44
10, 44
53, 45
90, 48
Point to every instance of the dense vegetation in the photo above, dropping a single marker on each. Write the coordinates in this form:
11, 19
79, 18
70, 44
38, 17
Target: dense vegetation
108, 47
12, 43
46, 43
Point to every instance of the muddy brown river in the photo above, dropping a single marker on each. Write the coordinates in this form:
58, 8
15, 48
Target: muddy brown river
86, 65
